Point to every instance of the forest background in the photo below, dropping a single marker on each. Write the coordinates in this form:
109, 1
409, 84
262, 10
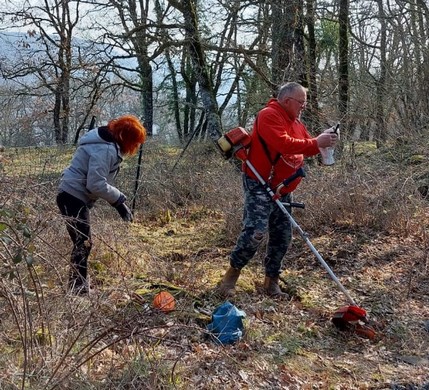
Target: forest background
192, 70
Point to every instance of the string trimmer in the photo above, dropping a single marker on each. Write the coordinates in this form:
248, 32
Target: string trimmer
234, 143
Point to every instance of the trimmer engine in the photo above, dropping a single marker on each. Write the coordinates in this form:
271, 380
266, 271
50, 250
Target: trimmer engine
232, 140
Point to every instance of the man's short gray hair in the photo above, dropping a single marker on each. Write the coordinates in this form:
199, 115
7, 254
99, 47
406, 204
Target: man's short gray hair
288, 89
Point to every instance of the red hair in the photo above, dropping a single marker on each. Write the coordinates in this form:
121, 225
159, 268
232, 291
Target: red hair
128, 133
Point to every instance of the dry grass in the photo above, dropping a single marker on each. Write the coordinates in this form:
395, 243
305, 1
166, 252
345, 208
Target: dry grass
365, 217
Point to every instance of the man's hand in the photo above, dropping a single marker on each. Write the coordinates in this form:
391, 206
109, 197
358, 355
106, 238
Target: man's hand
326, 139
334, 129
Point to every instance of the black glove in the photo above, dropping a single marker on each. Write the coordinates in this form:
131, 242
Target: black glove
123, 210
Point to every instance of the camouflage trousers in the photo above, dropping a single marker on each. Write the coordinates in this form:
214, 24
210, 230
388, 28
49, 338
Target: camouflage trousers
262, 215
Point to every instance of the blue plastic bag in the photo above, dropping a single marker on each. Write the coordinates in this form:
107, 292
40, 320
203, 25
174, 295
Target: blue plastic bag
227, 324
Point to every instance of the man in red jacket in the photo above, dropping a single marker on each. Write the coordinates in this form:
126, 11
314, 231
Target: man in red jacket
279, 143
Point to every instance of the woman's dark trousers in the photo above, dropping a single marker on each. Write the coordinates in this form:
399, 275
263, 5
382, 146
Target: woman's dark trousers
78, 227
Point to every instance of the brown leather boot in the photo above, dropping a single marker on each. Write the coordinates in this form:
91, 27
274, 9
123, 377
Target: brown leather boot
226, 287
272, 288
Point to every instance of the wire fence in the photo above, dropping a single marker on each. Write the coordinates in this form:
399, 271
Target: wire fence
167, 178
44, 165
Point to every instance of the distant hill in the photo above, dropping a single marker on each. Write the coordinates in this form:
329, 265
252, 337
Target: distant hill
23, 48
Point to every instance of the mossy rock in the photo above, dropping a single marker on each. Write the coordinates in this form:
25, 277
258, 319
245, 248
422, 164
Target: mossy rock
98, 266
43, 336
416, 159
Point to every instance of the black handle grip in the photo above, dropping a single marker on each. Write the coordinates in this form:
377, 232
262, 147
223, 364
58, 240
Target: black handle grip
294, 204
299, 173
297, 205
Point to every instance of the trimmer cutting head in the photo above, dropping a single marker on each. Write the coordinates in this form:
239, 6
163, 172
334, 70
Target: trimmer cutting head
353, 318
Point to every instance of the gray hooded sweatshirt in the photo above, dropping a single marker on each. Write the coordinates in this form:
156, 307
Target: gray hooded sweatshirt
92, 170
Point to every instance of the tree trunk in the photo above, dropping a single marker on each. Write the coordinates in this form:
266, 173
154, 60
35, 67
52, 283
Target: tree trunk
283, 27
145, 70
189, 111
381, 131
175, 97
312, 58
343, 71
188, 9
300, 59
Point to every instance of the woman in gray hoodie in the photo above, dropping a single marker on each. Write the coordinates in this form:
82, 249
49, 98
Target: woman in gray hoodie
89, 177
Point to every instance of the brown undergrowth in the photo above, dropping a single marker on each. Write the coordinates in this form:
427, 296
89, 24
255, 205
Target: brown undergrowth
365, 216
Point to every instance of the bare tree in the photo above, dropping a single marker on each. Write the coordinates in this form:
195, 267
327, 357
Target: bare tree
60, 64
224, 59
192, 36
136, 34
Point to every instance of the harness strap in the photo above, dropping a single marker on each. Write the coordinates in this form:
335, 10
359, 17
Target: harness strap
267, 152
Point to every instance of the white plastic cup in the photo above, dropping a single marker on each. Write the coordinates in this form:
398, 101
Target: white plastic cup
327, 156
